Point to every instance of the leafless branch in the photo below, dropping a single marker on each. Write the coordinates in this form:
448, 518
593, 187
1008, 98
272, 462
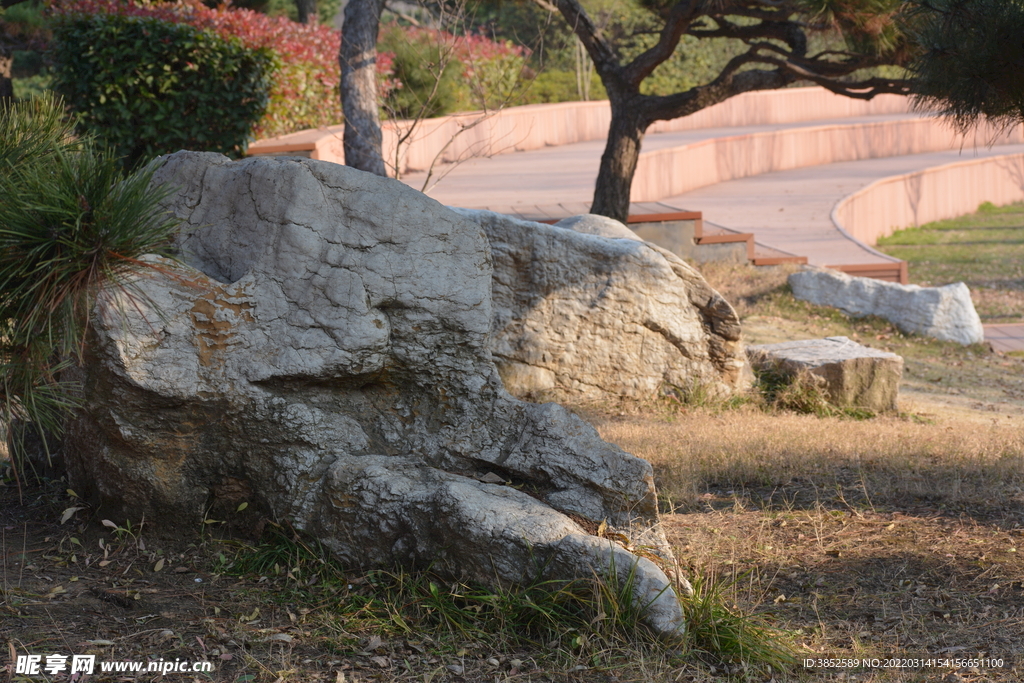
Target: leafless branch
546, 5
470, 154
507, 100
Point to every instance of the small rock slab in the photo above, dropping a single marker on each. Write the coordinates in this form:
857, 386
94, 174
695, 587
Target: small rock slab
854, 376
945, 313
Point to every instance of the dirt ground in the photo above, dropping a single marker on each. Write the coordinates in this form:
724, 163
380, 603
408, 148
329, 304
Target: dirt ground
915, 583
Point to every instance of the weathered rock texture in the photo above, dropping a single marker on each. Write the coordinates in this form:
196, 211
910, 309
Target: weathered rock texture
851, 375
323, 357
945, 313
589, 311
602, 226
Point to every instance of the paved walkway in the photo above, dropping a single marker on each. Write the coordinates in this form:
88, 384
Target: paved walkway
791, 210
788, 211
564, 174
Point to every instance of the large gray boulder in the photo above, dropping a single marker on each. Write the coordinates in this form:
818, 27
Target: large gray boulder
945, 313
849, 374
585, 310
321, 354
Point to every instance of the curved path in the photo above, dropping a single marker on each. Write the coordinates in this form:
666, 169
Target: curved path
511, 183
788, 211
791, 210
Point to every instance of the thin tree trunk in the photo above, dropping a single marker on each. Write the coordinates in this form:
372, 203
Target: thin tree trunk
6, 85
307, 11
618, 163
362, 140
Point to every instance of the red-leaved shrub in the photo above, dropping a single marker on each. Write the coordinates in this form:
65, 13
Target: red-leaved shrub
305, 92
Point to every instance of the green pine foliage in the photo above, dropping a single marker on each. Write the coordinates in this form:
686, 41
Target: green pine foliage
971, 62
146, 87
71, 224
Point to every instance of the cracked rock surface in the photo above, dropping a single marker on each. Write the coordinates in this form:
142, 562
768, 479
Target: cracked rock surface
322, 354
586, 310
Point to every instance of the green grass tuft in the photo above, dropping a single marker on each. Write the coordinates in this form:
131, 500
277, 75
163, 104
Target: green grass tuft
592, 622
723, 637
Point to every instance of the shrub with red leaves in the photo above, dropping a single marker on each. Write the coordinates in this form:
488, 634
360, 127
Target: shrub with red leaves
305, 92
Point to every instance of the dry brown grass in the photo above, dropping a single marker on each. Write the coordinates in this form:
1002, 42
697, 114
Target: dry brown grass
870, 584
869, 539
899, 536
887, 459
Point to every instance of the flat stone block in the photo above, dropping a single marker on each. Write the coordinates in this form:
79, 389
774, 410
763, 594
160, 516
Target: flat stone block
854, 376
945, 313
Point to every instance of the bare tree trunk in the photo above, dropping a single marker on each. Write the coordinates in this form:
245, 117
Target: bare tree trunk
307, 11
618, 163
362, 140
6, 86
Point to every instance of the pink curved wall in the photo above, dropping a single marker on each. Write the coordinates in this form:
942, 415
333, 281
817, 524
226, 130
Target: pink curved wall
460, 136
790, 105
676, 170
933, 194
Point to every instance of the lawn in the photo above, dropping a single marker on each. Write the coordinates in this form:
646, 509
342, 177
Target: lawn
984, 250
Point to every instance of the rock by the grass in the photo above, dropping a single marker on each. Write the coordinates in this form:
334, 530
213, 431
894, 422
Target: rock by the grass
321, 355
592, 312
851, 375
945, 313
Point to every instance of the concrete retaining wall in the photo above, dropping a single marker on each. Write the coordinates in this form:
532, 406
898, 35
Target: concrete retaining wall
673, 171
933, 194
461, 136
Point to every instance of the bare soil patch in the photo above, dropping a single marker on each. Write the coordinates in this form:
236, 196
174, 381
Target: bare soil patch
154, 599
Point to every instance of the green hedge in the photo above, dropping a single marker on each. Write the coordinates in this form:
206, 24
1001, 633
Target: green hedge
429, 76
148, 87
